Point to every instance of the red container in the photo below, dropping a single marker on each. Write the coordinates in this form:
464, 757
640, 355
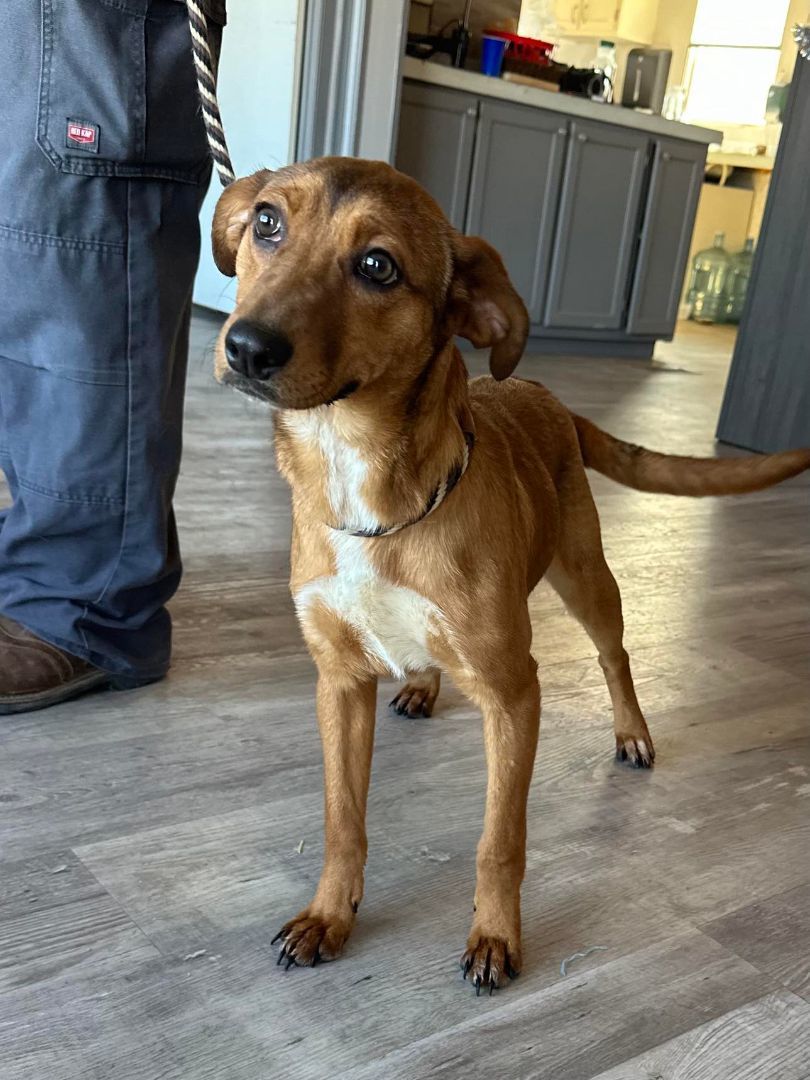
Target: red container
524, 49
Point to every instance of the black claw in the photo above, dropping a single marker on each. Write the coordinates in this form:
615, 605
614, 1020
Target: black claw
278, 935
491, 988
477, 986
487, 971
510, 971
281, 955
290, 963
466, 966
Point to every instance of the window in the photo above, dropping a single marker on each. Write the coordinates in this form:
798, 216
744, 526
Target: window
733, 59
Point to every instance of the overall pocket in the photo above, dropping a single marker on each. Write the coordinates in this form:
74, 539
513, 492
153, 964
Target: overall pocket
118, 95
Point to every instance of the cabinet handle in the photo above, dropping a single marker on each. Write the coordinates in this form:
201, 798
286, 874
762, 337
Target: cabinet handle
582, 137
666, 156
562, 131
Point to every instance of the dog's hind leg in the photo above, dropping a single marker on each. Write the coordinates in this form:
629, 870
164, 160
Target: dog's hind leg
583, 580
418, 696
511, 712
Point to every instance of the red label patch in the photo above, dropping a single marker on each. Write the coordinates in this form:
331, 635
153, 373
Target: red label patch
81, 135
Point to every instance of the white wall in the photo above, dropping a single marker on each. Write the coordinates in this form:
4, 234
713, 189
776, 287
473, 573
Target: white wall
257, 97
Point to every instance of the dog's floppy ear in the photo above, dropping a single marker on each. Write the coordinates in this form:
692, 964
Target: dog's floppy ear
483, 306
231, 217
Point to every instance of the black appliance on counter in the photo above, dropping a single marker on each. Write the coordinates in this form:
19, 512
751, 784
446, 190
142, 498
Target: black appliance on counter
455, 43
584, 82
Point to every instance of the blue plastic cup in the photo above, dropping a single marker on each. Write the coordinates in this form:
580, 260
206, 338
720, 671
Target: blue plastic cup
492, 53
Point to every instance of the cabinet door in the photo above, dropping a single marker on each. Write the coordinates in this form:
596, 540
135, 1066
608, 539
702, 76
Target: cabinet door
599, 16
515, 187
636, 23
677, 174
567, 15
597, 228
436, 137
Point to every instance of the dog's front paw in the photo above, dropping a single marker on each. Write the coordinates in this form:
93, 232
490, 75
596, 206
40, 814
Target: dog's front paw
309, 938
637, 750
489, 961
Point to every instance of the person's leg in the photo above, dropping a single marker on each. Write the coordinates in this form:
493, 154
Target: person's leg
96, 272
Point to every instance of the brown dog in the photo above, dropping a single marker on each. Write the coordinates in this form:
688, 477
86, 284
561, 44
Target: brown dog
425, 508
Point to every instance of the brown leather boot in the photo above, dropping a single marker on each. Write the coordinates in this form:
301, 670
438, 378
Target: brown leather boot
34, 674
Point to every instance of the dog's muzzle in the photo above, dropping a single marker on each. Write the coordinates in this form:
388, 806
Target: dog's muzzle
256, 352
261, 391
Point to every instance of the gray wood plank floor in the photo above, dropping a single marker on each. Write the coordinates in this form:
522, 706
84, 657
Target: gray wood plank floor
149, 841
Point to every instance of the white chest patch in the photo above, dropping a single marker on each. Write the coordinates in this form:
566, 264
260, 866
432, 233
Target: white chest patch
393, 622
344, 467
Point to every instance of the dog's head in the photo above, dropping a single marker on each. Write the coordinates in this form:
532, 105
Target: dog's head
348, 273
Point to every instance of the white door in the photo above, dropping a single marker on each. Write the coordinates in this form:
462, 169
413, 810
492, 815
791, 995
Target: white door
258, 92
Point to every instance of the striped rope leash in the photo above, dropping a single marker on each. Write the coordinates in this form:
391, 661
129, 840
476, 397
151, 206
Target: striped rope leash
207, 86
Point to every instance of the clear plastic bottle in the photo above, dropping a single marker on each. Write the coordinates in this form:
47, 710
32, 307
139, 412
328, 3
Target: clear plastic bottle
739, 274
707, 284
606, 63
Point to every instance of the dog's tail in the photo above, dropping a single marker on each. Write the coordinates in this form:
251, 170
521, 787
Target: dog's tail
666, 474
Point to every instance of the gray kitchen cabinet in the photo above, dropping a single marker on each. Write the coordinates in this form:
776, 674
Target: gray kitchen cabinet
517, 166
597, 230
677, 175
592, 217
436, 138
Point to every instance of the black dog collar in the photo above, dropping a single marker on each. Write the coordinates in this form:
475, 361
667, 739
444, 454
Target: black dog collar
434, 502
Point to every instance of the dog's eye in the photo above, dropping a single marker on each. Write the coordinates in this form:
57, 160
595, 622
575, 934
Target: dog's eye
378, 266
268, 224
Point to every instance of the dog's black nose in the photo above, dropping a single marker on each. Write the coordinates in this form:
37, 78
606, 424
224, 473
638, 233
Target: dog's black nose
256, 351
